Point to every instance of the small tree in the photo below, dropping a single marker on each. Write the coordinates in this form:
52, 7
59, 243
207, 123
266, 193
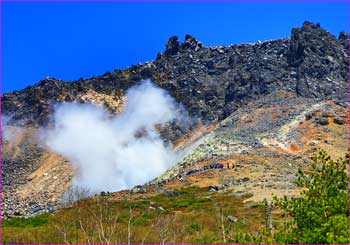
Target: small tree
97, 218
320, 214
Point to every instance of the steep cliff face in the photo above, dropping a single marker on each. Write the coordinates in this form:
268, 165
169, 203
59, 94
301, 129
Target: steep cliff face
321, 62
211, 82
262, 108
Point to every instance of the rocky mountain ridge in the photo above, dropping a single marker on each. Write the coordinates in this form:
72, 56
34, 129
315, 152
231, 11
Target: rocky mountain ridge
211, 82
262, 108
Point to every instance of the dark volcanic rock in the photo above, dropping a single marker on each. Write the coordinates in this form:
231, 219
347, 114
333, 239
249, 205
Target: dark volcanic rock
322, 121
344, 39
339, 120
320, 62
172, 46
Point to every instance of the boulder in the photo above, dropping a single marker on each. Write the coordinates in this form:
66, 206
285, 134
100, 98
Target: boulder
172, 46
339, 120
232, 218
322, 121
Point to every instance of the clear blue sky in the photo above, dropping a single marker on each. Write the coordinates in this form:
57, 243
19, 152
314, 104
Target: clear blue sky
72, 40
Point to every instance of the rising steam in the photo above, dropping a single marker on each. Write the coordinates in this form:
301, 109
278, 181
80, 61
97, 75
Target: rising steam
111, 153
9, 132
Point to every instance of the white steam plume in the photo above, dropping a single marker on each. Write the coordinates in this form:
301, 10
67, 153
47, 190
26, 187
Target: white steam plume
9, 132
111, 153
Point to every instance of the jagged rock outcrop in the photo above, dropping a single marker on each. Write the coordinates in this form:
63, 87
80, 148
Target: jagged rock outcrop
320, 61
210, 81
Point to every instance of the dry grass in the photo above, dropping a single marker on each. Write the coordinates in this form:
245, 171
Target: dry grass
188, 217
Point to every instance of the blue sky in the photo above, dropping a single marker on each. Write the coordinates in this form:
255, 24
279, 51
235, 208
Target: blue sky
73, 40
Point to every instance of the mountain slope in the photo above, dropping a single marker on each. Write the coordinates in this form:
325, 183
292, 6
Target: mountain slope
260, 110
262, 146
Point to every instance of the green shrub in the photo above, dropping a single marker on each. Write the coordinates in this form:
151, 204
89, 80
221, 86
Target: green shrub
193, 227
320, 214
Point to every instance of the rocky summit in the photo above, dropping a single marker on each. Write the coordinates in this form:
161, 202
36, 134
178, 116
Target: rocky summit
260, 110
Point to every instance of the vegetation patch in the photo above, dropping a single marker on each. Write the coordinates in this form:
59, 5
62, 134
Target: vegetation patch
196, 215
35, 221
